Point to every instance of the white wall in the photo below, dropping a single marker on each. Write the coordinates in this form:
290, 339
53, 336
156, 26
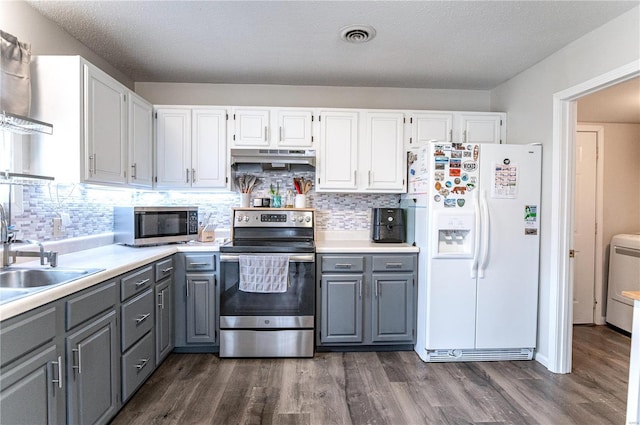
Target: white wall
311, 96
47, 38
528, 101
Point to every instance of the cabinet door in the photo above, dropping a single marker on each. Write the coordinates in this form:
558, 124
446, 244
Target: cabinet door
164, 319
480, 128
140, 141
392, 314
173, 148
208, 148
251, 127
427, 128
105, 127
337, 160
341, 319
294, 129
201, 308
385, 159
30, 390
93, 371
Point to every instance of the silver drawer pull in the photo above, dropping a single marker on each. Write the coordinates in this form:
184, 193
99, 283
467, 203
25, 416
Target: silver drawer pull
79, 364
161, 296
343, 265
199, 264
393, 265
141, 282
142, 318
142, 364
167, 270
59, 380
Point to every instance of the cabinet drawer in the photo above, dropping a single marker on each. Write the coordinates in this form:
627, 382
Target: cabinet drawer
137, 318
200, 262
393, 263
342, 264
164, 269
136, 282
91, 303
137, 365
26, 334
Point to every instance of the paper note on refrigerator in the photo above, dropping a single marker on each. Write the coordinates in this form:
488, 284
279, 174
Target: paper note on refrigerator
505, 181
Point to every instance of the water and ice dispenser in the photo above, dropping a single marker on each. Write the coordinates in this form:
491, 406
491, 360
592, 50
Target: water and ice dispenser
454, 233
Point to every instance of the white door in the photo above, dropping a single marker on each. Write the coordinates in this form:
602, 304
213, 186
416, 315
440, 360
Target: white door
294, 129
431, 127
507, 303
480, 128
337, 160
140, 142
385, 152
173, 148
105, 127
251, 127
208, 148
584, 234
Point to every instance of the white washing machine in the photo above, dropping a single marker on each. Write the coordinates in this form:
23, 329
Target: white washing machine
624, 275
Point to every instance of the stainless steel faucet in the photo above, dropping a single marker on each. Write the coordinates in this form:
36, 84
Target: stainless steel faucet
7, 239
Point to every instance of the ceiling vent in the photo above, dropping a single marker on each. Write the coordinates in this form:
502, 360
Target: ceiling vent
357, 33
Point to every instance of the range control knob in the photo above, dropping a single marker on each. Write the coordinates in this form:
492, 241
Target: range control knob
239, 218
246, 218
300, 219
307, 219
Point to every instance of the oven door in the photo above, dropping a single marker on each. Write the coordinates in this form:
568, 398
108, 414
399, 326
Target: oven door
294, 308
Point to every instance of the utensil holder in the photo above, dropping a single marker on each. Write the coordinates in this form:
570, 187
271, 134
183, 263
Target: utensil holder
301, 200
245, 200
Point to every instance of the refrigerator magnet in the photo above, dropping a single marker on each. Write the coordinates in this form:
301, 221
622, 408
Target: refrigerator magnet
449, 203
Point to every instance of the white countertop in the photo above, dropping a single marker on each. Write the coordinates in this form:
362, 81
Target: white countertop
359, 246
115, 259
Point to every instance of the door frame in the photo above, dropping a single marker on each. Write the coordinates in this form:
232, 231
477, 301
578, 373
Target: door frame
563, 172
598, 312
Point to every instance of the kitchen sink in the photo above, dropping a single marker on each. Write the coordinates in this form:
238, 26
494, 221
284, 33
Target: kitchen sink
18, 282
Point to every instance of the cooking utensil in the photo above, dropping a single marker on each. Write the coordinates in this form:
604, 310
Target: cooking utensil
307, 186
296, 184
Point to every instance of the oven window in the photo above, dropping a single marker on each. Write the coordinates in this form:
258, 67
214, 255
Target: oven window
157, 224
299, 300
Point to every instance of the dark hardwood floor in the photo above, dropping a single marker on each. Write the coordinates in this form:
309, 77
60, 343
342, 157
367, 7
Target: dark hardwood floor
388, 388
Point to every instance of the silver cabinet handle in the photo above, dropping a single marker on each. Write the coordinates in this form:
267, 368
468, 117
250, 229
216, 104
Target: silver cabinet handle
393, 265
59, 380
187, 175
167, 270
78, 365
355, 177
360, 288
464, 136
199, 264
343, 265
450, 135
375, 288
187, 288
141, 282
266, 139
161, 296
134, 171
369, 177
142, 364
142, 318
92, 164
193, 175
281, 133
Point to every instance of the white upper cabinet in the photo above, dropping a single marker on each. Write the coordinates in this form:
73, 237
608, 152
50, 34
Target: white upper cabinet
191, 147
99, 130
208, 148
383, 160
105, 107
140, 142
337, 160
480, 127
429, 127
272, 128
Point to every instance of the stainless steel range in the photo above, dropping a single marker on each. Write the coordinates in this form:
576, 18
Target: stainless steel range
267, 278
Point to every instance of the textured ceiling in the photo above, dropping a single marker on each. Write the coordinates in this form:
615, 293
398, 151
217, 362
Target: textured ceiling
429, 44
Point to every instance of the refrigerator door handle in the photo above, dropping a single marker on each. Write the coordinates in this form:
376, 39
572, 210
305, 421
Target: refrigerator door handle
476, 241
485, 234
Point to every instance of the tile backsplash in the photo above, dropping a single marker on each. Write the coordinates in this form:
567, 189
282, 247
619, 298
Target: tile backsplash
90, 208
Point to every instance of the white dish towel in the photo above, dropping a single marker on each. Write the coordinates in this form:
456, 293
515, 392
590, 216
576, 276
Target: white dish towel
264, 273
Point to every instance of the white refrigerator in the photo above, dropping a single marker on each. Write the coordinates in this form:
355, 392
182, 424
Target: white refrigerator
476, 222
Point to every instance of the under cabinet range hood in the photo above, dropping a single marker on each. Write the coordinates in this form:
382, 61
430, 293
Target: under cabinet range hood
274, 159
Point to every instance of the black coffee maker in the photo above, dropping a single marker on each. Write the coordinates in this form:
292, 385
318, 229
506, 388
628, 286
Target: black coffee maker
387, 225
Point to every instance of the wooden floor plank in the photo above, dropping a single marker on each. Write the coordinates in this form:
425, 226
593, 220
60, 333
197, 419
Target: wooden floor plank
387, 388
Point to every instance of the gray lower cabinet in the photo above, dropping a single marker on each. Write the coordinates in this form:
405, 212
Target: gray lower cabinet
93, 372
32, 381
164, 319
366, 299
196, 301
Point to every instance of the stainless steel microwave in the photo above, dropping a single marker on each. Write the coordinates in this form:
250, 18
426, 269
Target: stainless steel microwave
138, 226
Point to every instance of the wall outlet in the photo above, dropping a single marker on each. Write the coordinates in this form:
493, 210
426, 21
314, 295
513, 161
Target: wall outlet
58, 228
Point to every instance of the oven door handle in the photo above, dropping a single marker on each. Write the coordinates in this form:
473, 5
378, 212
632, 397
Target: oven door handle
300, 258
